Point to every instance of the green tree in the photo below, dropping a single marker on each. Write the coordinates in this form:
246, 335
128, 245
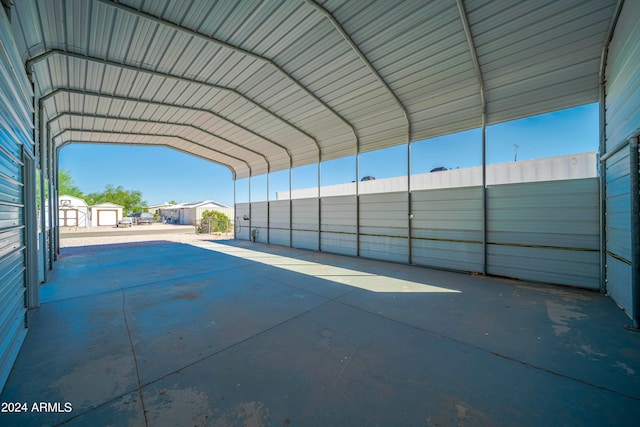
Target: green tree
67, 186
214, 221
130, 199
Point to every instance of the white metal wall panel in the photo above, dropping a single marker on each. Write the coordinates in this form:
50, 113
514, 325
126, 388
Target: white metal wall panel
572, 166
259, 221
338, 225
545, 231
305, 240
447, 228
305, 224
15, 132
279, 226
383, 226
242, 230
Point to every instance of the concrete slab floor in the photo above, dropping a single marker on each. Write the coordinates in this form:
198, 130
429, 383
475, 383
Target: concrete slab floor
241, 334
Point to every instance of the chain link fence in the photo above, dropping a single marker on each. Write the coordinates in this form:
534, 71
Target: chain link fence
215, 227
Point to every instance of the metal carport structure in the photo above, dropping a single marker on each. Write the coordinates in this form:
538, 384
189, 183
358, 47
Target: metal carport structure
265, 86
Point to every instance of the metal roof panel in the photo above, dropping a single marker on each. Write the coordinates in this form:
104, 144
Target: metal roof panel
291, 75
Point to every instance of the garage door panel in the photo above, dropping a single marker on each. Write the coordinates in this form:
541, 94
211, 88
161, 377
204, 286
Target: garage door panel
107, 217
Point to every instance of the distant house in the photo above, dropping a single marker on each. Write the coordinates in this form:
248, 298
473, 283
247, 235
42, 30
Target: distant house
190, 213
106, 214
155, 209
73, 211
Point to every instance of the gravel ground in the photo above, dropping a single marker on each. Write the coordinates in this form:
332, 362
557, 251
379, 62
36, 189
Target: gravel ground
129, 238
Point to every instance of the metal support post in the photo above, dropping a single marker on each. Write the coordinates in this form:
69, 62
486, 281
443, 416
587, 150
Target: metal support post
634, 177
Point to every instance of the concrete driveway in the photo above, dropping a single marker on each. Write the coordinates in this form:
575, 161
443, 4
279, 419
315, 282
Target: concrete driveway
233, 333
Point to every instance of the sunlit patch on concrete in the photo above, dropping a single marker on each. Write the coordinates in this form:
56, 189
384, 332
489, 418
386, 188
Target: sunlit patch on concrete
355, 278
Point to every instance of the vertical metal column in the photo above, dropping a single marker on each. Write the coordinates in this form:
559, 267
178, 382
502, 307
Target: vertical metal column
634, 178
602, 197
483, 103
268, 208
409, 209
250, 213
603, 174
52, 202
31, 211
290, 206
319, 210
484, 196
358, 201
43, 216
56, 213
31, 230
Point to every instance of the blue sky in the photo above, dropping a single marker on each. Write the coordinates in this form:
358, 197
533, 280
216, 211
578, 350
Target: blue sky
163, 174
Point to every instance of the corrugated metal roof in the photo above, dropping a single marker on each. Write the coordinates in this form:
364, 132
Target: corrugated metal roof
262, 85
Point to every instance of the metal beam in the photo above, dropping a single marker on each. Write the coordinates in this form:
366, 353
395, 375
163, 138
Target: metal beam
238, 49
105, 132
235, 48
476, 64
51, 52
140, 144
84, 92
233, 172
395, 98
365, 60
107, 117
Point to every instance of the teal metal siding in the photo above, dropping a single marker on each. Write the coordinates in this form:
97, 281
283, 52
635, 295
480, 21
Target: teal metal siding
618, 228
447, 228
622, 120
305, 223
383, 226
260, 221
16, 126
338, 224
242, 230
279, 227
545, 231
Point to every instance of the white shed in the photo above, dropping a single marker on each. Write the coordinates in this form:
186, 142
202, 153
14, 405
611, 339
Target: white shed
106, 214
190, 213
73, 211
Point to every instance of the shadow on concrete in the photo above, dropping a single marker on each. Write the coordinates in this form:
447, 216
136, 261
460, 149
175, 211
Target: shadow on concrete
236, 333
77, 250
